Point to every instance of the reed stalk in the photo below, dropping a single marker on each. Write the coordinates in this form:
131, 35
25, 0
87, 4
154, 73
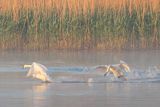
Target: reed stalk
79, 24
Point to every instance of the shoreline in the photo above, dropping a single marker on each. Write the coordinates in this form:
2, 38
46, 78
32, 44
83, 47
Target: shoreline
43, 43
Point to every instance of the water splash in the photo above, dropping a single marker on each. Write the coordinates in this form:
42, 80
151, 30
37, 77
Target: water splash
90, 75
151, 74
80, 74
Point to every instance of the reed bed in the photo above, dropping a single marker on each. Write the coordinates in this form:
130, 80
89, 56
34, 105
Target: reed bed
79, 24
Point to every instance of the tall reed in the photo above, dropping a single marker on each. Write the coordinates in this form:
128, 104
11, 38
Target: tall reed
79, 24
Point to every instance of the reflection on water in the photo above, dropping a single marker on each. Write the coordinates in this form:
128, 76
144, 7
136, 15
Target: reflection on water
21, 92
39, 91
40, 88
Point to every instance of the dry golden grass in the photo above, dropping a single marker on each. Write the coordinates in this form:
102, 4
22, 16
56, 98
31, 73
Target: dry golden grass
76, 5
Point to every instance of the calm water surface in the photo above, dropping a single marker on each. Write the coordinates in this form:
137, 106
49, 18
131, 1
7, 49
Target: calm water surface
18, 91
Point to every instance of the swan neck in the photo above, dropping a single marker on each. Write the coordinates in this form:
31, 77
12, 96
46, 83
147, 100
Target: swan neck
27, 66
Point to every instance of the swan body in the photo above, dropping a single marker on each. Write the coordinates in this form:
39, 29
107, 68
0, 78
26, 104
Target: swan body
117, 70
38, 71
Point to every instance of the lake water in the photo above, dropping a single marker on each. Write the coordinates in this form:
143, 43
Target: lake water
71, 70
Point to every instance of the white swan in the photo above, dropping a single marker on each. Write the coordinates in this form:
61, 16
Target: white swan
117, 70
38, 71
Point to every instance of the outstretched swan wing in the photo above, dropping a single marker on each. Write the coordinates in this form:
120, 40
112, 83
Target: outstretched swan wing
125, 66
101, 68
